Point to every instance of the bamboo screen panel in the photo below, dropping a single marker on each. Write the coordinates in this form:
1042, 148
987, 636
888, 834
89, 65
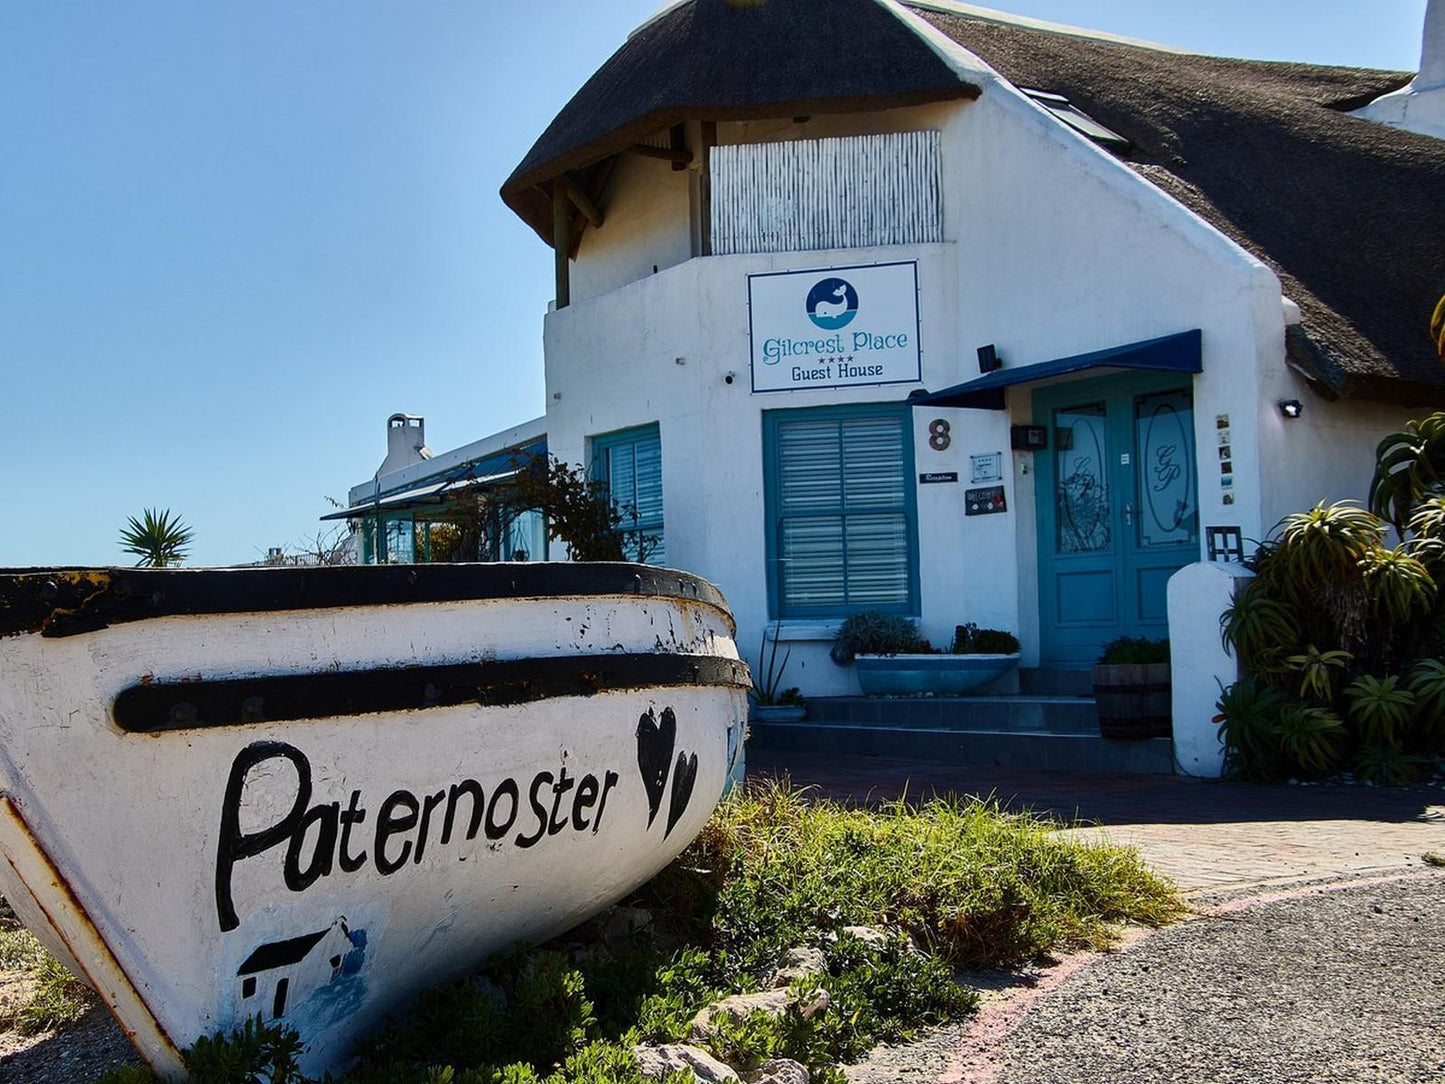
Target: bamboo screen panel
849, 192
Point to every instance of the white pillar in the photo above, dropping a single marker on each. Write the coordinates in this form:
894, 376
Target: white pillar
1198, 594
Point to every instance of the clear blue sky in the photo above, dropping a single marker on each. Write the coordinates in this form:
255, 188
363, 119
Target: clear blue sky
234, 237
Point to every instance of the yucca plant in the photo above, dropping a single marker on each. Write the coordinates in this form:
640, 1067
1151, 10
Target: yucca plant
1310, 737
159, 539
1322, 546
1380, 708
1409, 467
1248, 717
1399, 585
1317, 671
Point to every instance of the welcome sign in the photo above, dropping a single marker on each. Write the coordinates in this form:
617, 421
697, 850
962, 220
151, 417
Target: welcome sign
834, 327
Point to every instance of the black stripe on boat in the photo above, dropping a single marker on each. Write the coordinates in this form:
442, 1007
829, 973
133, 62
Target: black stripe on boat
63, 602
183, 705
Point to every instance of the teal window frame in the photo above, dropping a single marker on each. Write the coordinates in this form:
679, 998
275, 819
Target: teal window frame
603, 446
773, 420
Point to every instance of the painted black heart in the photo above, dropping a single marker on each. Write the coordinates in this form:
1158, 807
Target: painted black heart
655, 743
684, 775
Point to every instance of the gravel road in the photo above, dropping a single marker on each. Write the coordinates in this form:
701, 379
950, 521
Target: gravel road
1342, 986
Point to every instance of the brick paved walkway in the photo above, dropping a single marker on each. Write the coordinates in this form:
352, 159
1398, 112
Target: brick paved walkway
1208, 837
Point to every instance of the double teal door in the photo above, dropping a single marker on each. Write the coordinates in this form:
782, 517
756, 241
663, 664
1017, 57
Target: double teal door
1118, 509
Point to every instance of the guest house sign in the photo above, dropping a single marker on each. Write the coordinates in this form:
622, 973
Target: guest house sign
835, 327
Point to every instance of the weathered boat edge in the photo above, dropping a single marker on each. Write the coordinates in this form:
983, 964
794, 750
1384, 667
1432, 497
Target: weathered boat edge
74, 932
69, 601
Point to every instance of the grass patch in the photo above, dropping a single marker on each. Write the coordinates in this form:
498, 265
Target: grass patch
968, 884
1430, 858
57, 997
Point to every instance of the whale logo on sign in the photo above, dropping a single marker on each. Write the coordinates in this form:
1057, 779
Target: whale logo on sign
832, 304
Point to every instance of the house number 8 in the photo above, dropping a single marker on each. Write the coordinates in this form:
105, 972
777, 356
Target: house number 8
938, 438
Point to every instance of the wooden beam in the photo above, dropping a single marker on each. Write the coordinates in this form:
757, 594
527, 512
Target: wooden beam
667, 154
677, 138
704, 186
582, 201
562, 241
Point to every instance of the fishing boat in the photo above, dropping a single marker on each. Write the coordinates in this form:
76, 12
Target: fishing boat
304, 794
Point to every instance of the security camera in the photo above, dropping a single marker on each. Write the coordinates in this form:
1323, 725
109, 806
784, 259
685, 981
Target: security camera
729, 377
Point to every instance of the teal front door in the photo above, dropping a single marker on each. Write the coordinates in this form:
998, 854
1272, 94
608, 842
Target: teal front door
1118, 509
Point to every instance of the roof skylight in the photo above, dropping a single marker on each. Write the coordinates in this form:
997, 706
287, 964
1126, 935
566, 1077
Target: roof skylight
1077, 119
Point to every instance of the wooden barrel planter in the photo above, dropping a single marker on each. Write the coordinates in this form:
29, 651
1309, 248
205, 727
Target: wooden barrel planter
1134, 700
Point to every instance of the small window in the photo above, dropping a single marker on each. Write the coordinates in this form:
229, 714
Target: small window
842, 521
630, 462
1078, 120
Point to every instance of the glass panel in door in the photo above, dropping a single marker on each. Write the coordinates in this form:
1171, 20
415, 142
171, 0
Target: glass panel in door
1081, 481
1168, 504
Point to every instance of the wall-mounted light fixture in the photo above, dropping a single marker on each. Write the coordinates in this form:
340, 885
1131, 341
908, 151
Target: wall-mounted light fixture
988, 359
1291, 408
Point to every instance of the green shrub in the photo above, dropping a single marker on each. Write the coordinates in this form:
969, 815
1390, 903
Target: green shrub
872, 632
1134, 650
969, 639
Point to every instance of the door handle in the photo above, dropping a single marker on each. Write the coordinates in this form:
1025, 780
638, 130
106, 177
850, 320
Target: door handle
1128, 514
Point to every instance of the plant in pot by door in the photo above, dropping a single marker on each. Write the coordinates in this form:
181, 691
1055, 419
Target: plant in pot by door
1132, 689
891, 659
771, 702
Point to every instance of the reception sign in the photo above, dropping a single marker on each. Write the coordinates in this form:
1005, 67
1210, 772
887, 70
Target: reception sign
834, 327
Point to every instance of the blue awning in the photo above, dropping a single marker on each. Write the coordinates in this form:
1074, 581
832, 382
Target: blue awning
1172, 353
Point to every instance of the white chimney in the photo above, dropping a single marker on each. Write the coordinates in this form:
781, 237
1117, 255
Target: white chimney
1432, 49
1420, 106
405, 442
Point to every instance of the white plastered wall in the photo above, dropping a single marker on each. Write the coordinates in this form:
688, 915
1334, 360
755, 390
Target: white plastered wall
1327, 453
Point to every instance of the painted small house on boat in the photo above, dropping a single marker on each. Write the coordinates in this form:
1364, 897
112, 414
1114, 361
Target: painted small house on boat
958, 315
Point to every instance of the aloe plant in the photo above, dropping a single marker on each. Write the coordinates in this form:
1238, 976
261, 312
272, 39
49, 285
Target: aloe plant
1410, 466
1388, 764
1311, 737
1261, 629
1400, 586
1380, 708
1427, 682
1320, 546
1248, 717
1437, 328
1317, 671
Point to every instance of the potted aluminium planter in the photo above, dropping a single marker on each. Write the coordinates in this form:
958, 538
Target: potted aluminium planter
940, 675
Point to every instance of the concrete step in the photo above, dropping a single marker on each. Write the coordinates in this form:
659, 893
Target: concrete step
1051, 714
1035, 681
1045, 751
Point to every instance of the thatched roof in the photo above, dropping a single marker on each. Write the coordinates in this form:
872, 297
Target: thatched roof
1349, 214
724, 60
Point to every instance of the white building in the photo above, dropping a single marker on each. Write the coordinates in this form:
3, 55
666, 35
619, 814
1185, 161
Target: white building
793, 238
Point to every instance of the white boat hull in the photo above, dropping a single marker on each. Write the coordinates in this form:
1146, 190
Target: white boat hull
310, 814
